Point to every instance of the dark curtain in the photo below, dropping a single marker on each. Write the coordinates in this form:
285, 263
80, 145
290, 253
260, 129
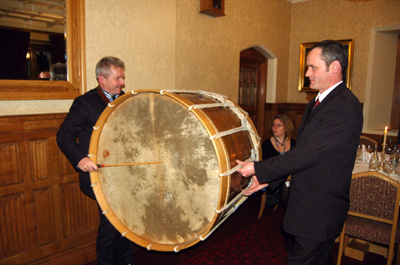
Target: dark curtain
13, 48
57, 49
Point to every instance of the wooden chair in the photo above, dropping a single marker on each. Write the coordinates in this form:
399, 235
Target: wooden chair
264, 201
373, 213
368, 141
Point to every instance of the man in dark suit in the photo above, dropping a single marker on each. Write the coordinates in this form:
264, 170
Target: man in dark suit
73, 138
321, 164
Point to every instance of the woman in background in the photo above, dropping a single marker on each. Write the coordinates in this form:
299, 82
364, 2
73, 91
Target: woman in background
280, 142
281, 130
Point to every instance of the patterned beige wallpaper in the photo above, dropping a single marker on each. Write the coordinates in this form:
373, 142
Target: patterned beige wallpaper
170, 45
317, 20
208, 49
141, 33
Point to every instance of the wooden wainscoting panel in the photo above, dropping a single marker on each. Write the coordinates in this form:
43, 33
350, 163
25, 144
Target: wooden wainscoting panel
9, 173
65, 167
76, 217
45, 216
39, 152
13, 238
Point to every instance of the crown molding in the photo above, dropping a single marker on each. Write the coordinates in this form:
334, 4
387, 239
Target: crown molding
297, 1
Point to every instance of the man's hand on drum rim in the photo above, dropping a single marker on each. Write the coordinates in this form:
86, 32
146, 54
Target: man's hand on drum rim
255, 186
87, 165
247, 169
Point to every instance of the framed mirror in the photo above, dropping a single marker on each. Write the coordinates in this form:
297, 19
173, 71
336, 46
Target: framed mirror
76, 65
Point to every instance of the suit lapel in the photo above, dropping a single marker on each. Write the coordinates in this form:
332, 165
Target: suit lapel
102, 95
305, 118
309, 113
329, 97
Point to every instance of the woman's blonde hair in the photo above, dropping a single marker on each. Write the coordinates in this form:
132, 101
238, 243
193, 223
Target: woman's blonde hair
289, 127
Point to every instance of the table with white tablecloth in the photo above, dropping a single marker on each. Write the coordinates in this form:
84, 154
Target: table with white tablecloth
361, 166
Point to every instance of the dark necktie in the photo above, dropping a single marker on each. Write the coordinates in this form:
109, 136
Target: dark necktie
316, 104
113, 97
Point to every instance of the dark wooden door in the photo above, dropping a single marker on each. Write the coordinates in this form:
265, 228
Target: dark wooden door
252, 86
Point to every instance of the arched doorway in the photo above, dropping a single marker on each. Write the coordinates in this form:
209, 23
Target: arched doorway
253, 85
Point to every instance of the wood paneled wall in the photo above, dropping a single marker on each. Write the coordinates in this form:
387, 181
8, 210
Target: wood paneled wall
44, 217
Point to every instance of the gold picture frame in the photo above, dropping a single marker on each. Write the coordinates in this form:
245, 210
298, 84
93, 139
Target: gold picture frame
304, 83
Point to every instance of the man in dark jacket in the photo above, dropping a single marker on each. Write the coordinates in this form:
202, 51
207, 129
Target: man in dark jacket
321, 164
73, 138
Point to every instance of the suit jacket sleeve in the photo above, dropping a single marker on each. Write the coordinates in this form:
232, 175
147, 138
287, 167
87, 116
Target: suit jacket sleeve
73, 125
269, 151
74, 134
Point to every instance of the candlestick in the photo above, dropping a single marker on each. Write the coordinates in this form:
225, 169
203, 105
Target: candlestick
384, 136
382, 162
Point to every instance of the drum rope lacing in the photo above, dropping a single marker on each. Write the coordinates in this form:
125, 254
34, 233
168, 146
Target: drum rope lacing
234, 169
237, 197
226, 215
241, 114
225, 102
246, 126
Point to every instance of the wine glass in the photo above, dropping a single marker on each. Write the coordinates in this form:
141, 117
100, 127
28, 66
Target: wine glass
369, 148
359, 153
374, 162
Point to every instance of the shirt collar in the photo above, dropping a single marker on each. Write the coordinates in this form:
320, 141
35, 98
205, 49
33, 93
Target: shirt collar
323, 95
109, 95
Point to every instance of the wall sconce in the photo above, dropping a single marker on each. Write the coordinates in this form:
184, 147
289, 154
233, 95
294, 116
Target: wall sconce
214, 8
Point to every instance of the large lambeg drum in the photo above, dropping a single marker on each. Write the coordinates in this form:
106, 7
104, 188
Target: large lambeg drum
198, 137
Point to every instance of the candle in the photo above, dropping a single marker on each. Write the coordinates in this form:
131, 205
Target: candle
384, 136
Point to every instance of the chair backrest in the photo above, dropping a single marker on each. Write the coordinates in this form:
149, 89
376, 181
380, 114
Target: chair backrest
374, 209
374, 196
368, 141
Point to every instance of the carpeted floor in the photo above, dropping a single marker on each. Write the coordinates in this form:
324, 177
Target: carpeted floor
242, 239
244, 217
255, 245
